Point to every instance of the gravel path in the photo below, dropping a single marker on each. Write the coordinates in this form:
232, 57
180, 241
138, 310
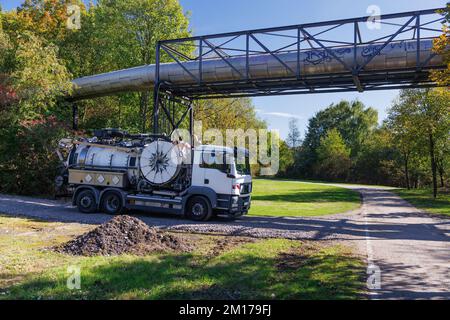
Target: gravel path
411, 249
261, 227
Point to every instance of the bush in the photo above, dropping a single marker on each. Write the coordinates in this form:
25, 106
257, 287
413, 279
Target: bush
28, 161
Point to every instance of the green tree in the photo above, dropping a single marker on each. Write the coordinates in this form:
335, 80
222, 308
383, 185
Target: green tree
40, 78
238, 113
379, 160
354, 122
443, 159
223, 114
293, 139
404, 133
333, 156
436, 124
124, 34
5, 47
424, 118
352, 119
287, 156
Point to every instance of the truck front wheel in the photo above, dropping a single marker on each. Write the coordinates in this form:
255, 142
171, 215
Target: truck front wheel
199, 209
86, 201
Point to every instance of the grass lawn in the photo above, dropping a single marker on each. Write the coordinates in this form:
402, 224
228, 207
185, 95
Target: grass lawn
292, 198
423, 199
249, 269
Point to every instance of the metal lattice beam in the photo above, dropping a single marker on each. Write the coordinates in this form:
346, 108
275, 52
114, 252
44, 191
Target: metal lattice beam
238, 53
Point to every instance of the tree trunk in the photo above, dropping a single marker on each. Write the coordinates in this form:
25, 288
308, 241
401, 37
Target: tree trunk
407, 172
433, 164
440, 168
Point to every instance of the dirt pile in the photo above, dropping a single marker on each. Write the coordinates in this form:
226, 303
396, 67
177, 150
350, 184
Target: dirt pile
124, 234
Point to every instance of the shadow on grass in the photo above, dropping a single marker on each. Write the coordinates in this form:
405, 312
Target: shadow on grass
246, 275
423, 199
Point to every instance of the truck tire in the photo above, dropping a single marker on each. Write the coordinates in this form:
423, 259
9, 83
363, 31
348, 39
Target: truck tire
198, 209
112, 203
86, 202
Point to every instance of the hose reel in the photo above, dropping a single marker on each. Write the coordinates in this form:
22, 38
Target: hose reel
160, 162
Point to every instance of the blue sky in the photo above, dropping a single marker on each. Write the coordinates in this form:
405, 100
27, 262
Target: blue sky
216, 16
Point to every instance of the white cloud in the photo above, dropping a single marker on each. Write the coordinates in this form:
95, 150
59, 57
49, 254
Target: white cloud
280, 114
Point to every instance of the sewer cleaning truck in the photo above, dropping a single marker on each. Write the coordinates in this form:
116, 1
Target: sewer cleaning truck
115, 171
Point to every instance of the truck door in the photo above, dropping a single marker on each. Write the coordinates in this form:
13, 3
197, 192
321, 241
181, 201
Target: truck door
215, 173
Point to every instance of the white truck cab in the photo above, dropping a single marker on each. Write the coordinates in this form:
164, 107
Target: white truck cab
219, 169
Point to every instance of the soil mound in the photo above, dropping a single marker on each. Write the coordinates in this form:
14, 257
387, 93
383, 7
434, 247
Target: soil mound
124, 234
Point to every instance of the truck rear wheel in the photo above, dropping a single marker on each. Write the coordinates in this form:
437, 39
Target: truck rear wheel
86, 201
198, 209
112, 203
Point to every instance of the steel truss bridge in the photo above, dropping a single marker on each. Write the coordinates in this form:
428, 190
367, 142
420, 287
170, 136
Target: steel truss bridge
392, 51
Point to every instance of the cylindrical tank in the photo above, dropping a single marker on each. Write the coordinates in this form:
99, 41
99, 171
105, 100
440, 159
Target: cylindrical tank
103, 157
158, 162
107, 158
396, 55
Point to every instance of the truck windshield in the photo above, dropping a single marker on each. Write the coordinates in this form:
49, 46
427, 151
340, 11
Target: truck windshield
243, 168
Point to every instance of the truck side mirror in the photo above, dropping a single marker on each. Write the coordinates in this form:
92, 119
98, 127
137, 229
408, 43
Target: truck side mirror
228, 171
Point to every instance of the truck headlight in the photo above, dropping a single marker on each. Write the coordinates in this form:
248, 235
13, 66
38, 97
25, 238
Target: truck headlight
234, 201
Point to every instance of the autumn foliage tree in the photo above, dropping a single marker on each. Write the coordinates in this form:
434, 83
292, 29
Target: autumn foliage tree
33, 82
45, 18
7, 94
441, 46
39, 55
